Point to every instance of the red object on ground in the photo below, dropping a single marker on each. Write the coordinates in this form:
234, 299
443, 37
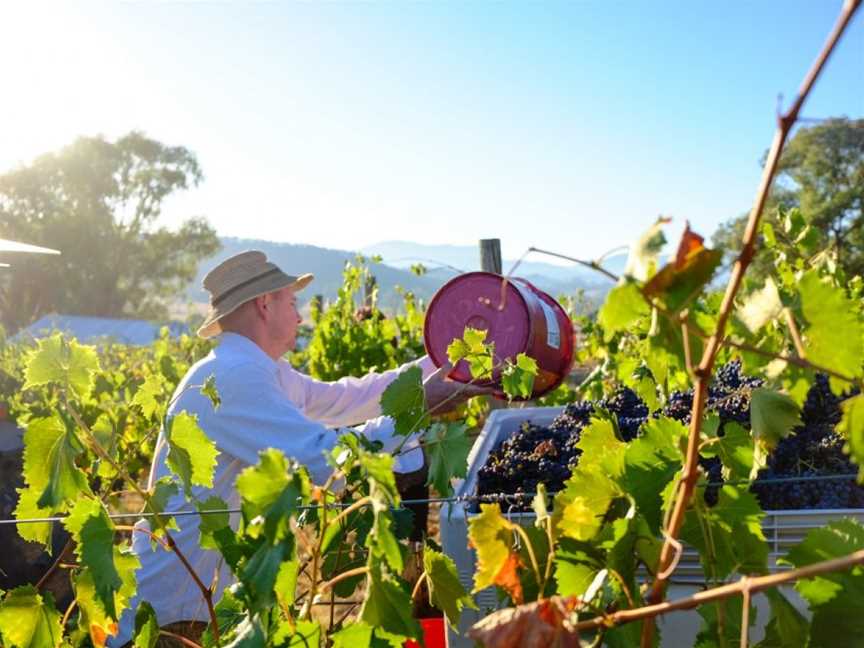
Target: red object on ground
517, 317
433, 634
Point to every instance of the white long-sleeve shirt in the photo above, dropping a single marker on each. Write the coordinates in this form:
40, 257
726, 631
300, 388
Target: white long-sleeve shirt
265, 404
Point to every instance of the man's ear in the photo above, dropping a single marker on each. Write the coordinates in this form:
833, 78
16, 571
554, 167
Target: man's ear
262, 304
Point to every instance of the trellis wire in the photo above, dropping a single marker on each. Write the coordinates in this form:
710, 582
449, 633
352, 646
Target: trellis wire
506, 498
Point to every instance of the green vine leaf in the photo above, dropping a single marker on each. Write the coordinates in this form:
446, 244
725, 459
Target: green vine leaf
94, 620
735, 449
445, 590
787, 627
93, 532
272, 490
517, 379
210, 391
50, 450
642, 260
728, 535
772, 415
624, 306
146, 626
650, 463
831, 316
27, 509
29, 620
388, 605
211, 523
64, 362
191, 454
447, 446
405, 402
473, 349
836, 598
149, 396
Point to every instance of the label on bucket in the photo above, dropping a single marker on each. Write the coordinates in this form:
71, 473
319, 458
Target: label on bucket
553, 333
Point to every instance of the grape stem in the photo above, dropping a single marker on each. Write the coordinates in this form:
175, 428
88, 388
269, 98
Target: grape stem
703, 371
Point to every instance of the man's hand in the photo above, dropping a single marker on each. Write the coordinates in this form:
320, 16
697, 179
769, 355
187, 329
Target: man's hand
444, 394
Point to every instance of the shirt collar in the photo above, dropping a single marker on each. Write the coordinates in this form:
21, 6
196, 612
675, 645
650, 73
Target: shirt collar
237, 344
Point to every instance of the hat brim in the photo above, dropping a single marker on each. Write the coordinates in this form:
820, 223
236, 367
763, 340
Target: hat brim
211, 326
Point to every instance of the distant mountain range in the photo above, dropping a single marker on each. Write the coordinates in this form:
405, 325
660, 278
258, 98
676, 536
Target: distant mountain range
443, 262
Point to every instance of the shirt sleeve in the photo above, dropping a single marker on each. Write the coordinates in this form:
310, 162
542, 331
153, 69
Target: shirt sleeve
255, 414
346, 401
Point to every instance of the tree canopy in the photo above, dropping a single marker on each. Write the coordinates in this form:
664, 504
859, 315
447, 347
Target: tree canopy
98, 202
821, 173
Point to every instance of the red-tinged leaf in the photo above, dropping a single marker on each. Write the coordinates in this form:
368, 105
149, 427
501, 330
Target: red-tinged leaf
680, 281
690, 244
542, 624
508, 578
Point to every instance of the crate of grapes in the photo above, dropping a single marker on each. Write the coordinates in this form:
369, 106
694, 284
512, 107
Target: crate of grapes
531, 427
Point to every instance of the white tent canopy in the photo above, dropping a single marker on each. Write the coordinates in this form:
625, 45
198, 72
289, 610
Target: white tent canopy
14, 246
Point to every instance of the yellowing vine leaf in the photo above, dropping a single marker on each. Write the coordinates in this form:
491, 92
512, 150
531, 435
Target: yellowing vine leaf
680, 281
64, 362
497, 561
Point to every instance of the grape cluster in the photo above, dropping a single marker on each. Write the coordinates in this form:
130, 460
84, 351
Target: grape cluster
812, 450
536, 454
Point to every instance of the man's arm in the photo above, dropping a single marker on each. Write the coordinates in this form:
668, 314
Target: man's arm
255, 414
343, 402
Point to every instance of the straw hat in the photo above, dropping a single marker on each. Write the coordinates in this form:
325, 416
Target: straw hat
240, 278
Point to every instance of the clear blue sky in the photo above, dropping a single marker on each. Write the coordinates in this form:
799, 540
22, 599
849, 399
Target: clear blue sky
564, 125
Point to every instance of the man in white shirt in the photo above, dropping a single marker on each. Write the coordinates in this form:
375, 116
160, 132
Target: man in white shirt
264, 403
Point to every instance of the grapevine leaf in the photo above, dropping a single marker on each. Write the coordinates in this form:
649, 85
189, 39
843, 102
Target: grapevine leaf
787, 627
851, 426
191, 454
836, 598
546, 622
230, 612
353, 635
210, 523
831, 316
94, 620
473, 349
286, 581
273, 488
447, 446
574, 568
163, 491
300, 633
518, 379
248, 634
379, 471
146, 626
148, 396
388, 605
735, 449
405, 402
61, 361
93, 532
623, 307
650, 462
27, 510
734, 526
646, 389
259, 575
600, 447
381, 541
642, 260
768, 235
679, 282
579, 508
721, 628
445, 591
772, 415
761, 307
210, 391
497, 563
50, 450
29, 620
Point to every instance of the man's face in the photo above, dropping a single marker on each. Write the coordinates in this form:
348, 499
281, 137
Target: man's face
285, 318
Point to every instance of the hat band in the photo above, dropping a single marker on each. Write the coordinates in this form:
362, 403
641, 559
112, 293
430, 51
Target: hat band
242, 285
